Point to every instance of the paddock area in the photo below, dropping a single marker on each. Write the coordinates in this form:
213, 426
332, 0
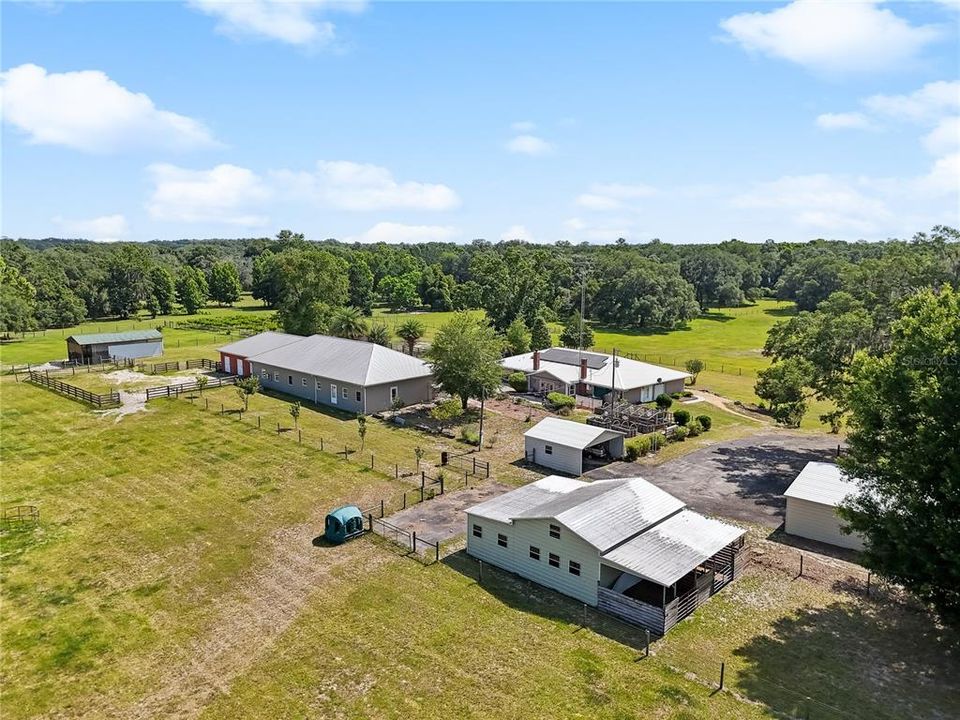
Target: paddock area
443, 517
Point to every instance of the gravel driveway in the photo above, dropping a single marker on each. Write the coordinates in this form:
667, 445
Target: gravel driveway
741, 480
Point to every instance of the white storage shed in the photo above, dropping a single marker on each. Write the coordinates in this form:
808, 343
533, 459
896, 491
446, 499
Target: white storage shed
812, 501
561, 444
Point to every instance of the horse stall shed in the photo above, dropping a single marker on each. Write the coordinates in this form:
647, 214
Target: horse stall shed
95, 348
566, 446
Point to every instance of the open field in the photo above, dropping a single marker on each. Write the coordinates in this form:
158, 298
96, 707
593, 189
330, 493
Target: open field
174, 574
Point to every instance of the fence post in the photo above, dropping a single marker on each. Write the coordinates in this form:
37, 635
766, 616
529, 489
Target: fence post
370, 518
299, 435
722, 668
441, 484
404, 499
801, 565
345, 451
258, 422
413, 540
474, 465
396, 471
647, 646
381, 508
438, 549
206, 402
278, 428
480, 576
221, 408
321, 444
488, 469
423, 478
869, 576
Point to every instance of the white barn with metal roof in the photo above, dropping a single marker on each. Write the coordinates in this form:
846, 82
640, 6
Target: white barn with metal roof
812, 501
563, 444
624, 546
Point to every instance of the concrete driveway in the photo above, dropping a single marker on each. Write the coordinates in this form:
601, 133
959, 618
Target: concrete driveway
741, 480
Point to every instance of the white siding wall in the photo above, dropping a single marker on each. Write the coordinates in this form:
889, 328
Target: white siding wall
516, 556
564, 459
818, 522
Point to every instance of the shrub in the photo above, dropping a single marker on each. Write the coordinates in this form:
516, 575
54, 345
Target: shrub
676, 395
687, 393
446, 411
706, 422
397, 404
680, 434
657, 441
563, 404
469, 435
664, 401
637, 447
518, 381
695, 428
682, 417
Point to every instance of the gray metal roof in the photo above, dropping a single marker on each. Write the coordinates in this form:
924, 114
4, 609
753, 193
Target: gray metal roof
567, 433
259, 343
350, 361
107, 338
504, 508
567, 356
607, 512
823, 483
627, 374
668, 551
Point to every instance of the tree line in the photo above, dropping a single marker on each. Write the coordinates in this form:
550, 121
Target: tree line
57, 283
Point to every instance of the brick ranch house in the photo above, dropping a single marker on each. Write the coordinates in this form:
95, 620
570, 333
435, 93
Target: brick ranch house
350, 375
593, 374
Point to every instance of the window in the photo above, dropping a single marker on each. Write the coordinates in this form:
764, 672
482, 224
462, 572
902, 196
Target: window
534, 553
393, 394
501, 540
477, 531
343, 393
554, 531
548, 449
303, 381
554, 560
359, 397
289, 379
574, 568
276, 377
319, 385
264, 373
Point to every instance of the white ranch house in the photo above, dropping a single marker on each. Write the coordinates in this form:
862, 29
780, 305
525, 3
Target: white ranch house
623, 546
594, 374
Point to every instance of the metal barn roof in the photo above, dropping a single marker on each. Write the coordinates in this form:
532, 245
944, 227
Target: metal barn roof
628, 374
570, 434
823, 483
261, 342
607, 512
505, 507
350, 361
566, 356
117, 337
668, 551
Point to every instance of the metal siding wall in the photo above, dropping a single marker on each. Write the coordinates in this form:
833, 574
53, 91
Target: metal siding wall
564, 459
516, 556
818, 522
136, 350
412, 392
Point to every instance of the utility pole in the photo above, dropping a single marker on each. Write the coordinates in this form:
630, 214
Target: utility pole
483, 396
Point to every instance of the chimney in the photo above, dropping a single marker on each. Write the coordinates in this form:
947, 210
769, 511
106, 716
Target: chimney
536, 359
583, 368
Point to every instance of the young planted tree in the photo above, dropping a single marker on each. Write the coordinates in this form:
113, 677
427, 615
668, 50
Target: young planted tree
379, 334
518, 337
410, 331
246, 387
419, 453
694, 367
348, 322
362, 429
202, 381
904, 448
466, 354
295, 414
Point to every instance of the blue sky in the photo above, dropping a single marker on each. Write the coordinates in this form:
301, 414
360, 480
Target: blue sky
691, 122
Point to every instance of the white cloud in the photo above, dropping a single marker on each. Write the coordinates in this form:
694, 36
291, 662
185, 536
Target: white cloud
348, 185
607, 231
944, 138
928, 103
107, 228
524, 126
393, 233
517, 232
529, 145
832, 37
943, 180
293, 22
88, 111
224, 194
612, 196
843, 121
821, 202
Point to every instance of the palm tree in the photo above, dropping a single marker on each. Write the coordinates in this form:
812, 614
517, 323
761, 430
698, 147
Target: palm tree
348, 322
379, 334
411, 330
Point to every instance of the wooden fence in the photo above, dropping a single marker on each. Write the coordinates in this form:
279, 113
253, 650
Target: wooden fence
466, 462
174, 391
111, 399
21, 515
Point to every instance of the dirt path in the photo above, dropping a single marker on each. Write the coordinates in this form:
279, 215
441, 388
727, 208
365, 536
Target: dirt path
724, 404
250, 620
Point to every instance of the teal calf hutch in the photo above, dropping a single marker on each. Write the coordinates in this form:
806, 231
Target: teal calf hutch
343, 523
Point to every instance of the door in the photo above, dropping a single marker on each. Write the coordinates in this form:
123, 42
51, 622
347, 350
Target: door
333, 394
226, 363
